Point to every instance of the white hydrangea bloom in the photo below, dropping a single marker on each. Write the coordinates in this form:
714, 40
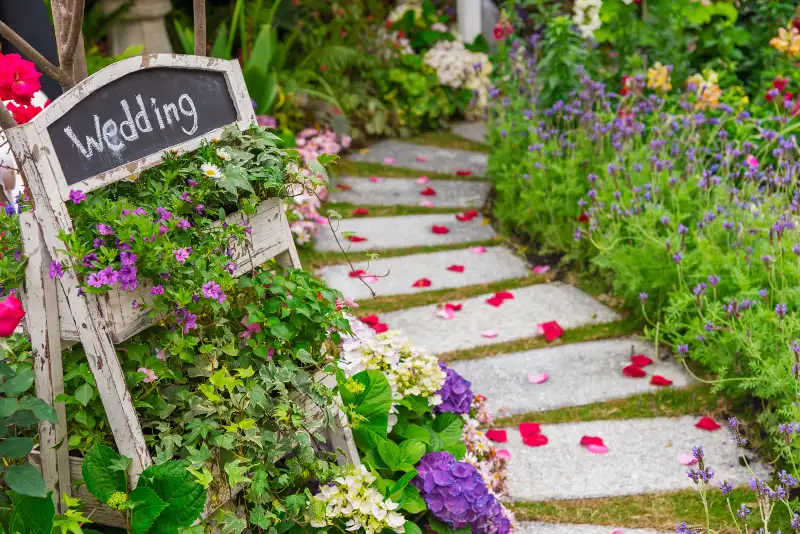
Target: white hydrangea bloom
407, 5
586, 15
459, 68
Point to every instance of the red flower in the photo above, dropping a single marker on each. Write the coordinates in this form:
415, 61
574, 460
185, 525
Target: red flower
11, 313
422, 282
24, 113
380, 328
658, 380
428, 192
497, 435
370, 320
780, 84
463, 172
440, 229
360, 211
498, 32
625, 81
550, 330
388, 24
706, 423
456, 268
633, 371
19, 79
582, 218
640, 360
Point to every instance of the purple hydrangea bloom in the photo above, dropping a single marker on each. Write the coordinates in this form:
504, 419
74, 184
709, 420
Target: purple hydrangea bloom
456, 393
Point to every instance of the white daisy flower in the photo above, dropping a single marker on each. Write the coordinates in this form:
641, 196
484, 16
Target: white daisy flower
223, 154
212, 171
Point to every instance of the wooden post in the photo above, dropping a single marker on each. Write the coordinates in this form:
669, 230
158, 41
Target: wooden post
43, 327
468, 13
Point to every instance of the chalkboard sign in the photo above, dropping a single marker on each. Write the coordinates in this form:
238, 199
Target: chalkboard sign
138, 114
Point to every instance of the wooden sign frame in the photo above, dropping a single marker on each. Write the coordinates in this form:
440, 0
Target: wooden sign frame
54, 304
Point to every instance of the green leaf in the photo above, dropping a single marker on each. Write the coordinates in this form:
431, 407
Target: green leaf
42, 410
146, 507
410, 453
409, 527
376, 398
19, 383
458, 450
84, 394
280, 331
441, 528
450, 427
26, 480
389, 453
411, 501
32, 515
15, 447
101, 480
236, 472
412, 431
120, 464
175, 485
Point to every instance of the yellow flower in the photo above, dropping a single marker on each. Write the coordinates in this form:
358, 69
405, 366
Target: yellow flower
787, 41
658, 78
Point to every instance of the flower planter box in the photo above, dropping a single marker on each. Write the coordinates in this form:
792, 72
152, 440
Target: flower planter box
269, 237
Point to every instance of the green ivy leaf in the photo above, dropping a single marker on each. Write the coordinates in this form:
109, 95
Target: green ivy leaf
26, 480
146, 507
101, 480
32, 515
15, 447
175, 485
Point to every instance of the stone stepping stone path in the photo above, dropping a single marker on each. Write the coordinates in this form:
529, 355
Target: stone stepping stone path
530, 527
578, 374
515, 318
407, 192
424, 158
381, 233
643, 456
474, 131
494, 265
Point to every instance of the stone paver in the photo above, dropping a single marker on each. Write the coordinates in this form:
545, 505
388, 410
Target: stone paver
579, 373
515, 319
443, 160
474, 131
406, 192
642, 458
383, 233
496, 264
530, 527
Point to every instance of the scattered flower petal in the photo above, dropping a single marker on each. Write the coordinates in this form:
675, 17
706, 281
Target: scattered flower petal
489, 334
538, 379
454, 307
355, 238
360, 211
456, 268
370, 320
497, 435
422, 159
658, 380
422, 282
440, 229
422, 180
477, 250
343, 187
505, 295
591, 440
467, 215
375, 179
686, 458
389, 160
380, 328
633, 371
463, 172
358, 273
428, 192
502, 453
706, 423
597, 449
426, 204
527, 429
495, 301
535, 440
446, 313
640, 360
550, 330
541, 269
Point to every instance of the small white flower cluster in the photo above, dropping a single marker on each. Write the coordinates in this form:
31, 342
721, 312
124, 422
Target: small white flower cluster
351, 499
403, 6
460, 68
392, 44
408, 370
586, 14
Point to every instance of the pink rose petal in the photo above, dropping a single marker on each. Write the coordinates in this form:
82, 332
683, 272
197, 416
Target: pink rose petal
502, 453
446, 313
686, 459
597, 449
389, 161
617, 532
422, 180
489, 334
537, 379
422, 159
426, 204
375, 179
478, 250
541, 269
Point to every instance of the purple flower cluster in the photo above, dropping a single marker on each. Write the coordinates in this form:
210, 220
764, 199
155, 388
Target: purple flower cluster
455, 393
457, 495
212, 290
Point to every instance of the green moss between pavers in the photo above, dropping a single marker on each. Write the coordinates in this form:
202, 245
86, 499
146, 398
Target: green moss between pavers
447, 139
660, 511
346, 210
359, 168
623, 327
312, 259
667, 402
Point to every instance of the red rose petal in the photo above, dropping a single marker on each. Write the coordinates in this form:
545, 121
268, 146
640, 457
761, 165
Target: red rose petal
534, 440
422, 159
357, 273
633, 371
527, 429
422, 282
463, 172
658, 380
706, 423
454, 307
440, 229
504, 295
356, 238
456, 268
370, 320
550, 330
343, 187
380, 328
497, 435
467, 215
360, 211
582, 218
495, 301
461, 217
591, 440
640, 360
428, 192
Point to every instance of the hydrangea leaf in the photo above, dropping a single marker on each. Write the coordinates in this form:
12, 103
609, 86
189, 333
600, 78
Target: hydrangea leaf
450, 426
176, 486
410, 453
411, 528
32, 515
390, 454
25, 479
411, 501
147, 506
101, 480
15, 447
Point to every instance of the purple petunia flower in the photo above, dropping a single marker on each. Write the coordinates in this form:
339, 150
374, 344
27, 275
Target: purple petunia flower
181, 255
183, 224
163, 214
104, 229
56, 270
157, 290
76, 196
